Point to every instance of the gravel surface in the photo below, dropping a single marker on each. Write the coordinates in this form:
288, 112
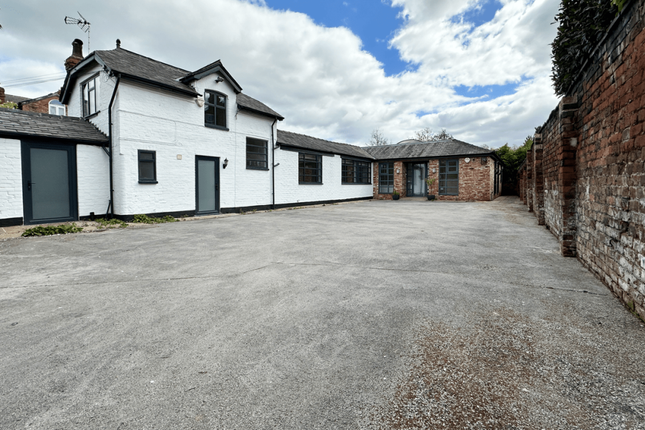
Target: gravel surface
374, 315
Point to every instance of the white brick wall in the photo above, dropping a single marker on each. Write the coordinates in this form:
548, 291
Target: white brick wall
10, 179
289, 191
93, 173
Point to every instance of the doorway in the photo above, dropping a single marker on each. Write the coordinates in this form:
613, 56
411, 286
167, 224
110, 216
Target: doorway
49, 182
416, 179
207, 185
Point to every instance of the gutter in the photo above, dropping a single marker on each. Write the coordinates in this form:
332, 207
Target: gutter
273, 165
116, 87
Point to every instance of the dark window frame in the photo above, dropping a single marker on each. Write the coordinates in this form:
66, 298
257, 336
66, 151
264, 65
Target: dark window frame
305, 162
386, 179
356, 172
85, 103
257, 144
153, 161
443, 177
215, 107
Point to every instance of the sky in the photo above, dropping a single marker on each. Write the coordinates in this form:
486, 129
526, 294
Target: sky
335, 69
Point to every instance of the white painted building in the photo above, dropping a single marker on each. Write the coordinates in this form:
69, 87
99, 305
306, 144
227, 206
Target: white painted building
169, 141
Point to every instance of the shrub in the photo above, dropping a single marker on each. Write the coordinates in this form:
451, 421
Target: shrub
52, 230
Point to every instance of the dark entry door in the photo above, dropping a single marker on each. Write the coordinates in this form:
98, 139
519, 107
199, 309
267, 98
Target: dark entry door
49, 182
207, 187
416, 180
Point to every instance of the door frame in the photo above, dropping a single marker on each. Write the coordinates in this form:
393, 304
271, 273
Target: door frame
409, 179
217, 203
27, 203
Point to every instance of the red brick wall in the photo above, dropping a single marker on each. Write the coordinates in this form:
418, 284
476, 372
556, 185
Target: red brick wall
593, 156
41, 106
476, 180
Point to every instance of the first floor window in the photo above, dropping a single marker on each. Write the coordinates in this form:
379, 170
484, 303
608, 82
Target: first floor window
356, 172
147, 167
256, 154
214, 109
56, 108
309, 168
449, 177
89, 96
386, 178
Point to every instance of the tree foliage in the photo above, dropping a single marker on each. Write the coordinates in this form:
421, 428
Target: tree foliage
427, 135
9, 105
377, 138
514, 156
582, 24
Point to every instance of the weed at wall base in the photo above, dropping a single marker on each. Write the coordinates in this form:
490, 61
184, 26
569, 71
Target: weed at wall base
52, 230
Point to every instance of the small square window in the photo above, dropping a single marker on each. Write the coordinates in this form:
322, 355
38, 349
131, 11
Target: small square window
147, 167
256, 154
309, 168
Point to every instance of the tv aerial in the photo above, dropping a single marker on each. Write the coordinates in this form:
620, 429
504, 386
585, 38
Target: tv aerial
83, 24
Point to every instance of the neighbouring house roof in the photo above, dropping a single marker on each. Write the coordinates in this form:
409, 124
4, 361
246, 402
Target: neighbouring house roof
23, 124
15, 99
295, 140
37, 99
440, 148
136, 67
249, 103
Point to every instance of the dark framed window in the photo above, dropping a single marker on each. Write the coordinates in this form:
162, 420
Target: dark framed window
449, 177
147, 167
309, 168
356, 172
215, 109
88, 91
386, 178
256, 154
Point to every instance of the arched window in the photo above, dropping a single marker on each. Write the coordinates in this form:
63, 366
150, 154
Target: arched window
56, 108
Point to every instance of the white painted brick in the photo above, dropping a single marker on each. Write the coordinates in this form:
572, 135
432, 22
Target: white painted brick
10, 179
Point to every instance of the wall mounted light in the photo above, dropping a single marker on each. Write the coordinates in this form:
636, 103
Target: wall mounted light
219, 79
225, 163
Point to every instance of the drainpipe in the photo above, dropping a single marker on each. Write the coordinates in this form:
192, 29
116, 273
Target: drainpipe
116, 87
273, 164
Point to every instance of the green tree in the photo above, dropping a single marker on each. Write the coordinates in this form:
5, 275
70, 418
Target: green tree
9, 105
513, 157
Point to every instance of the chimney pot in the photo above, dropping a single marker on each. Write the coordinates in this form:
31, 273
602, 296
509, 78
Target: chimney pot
77, 55
118, 43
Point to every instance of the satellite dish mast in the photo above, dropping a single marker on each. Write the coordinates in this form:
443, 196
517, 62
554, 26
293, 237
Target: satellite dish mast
83, 24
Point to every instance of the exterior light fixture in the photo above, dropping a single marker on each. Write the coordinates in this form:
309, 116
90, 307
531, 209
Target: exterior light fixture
225, 163
219, 79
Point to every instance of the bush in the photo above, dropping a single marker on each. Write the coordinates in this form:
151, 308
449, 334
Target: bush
52, 230
145, 219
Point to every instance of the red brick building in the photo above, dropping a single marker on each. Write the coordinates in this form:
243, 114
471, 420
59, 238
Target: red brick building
461, 171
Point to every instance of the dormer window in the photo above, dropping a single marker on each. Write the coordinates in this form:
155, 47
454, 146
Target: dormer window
56, 108
89, 96
215, 110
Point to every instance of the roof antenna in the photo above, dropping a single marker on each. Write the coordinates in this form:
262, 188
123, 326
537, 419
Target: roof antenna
83, 24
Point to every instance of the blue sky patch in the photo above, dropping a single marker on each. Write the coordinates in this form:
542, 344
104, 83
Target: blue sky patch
481, 14
488, 92
373, 21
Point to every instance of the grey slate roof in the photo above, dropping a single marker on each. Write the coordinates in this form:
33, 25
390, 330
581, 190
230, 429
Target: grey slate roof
296, 140
19, 124
251, 104
441, 148
15, 99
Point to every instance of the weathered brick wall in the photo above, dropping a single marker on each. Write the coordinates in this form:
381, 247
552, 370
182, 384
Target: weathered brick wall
38, 105
592, 163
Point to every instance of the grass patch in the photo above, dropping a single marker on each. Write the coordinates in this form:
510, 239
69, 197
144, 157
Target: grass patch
145, 219
51, 230
111, 223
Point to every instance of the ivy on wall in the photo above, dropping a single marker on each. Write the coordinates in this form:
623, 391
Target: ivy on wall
582, 24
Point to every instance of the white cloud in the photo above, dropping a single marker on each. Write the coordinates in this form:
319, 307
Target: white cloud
320, 78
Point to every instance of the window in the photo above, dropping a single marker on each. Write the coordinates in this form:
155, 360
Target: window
256, 154
356, 172
449, 177
215, 109
386, 178
56, 108
309, 168
147, 167
89, 96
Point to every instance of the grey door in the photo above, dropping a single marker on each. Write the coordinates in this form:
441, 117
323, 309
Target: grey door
416, 179
207, 185
49, 182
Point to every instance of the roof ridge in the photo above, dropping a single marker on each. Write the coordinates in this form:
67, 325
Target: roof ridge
142, 56
318, 138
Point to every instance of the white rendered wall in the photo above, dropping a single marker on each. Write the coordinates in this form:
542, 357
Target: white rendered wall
104, 88
288, 190
93, 173
10, 179
172, 125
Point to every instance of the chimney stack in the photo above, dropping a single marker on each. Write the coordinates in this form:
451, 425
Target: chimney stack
77, 55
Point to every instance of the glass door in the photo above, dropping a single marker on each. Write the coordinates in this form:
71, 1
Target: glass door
207, 186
